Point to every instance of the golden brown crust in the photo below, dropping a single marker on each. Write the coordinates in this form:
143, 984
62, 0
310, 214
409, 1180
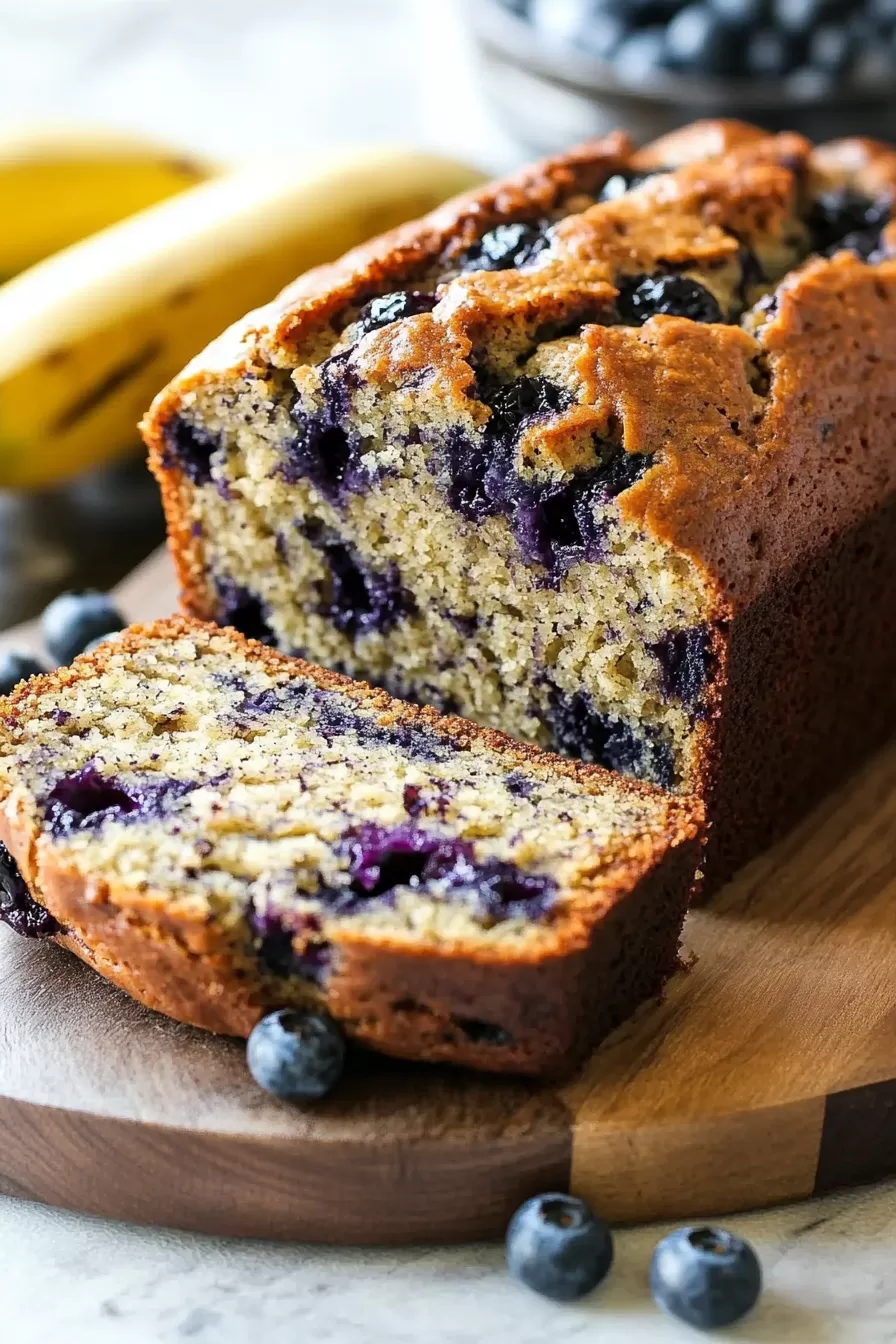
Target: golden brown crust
682, 390
769, 443
457, 1004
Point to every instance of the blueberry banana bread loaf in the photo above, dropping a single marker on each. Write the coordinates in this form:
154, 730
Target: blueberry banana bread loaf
602, 457
221, 830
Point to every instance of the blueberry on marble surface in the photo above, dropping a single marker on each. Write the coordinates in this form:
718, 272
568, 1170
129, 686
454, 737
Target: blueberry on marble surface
18, 908
297, 1054
705, 1276
73, 620
558, 1247
17, 665
644, 296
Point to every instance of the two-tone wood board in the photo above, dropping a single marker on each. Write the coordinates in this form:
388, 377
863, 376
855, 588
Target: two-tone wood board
768, 1073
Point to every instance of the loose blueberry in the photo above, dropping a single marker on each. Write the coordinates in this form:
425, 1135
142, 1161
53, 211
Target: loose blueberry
699, 41
831, 48
15, 666
873, 62
507, 246
18, 908
769, 53
297, 1054
881, 13
638, 57
741, 13
595, 26
558, 1247
705, 1276
604, 35
642, 296
73, 620
388, 308
801, 17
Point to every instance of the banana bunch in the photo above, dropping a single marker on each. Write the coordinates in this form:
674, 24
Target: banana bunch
89, 333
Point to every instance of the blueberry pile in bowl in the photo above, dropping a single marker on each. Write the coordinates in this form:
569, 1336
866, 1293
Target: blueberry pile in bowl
561, 70
816, 44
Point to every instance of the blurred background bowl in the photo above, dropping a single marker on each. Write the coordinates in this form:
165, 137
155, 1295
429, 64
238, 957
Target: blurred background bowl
550, 90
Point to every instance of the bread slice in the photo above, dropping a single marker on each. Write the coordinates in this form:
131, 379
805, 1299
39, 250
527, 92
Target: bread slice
221, 830
601, 457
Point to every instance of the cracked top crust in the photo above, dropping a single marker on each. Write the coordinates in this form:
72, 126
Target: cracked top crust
769, 420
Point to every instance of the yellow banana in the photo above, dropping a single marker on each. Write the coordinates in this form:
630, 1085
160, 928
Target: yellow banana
88, 336
60, 184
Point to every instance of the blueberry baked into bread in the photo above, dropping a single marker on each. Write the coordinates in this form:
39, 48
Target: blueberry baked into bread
220, 830
601, 456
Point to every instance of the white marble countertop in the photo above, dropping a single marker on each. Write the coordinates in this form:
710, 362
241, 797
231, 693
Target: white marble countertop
220, 76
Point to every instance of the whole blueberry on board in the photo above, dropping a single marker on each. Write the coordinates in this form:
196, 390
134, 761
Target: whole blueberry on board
74, 620
15, 666
558, 1247
297, 1054
705, 1276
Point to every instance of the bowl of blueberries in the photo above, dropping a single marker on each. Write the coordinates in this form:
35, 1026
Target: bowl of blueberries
563, 70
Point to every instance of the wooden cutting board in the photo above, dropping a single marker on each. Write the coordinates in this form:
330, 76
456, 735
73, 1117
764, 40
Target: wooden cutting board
768, 1074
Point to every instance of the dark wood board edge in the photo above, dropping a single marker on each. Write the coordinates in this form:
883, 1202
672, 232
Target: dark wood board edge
858, 1137
233, 1185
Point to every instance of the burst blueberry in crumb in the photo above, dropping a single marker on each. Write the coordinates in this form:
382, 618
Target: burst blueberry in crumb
361, 600
705, 1276
190, 447
18, 908
557, 1246
275, 945
86, 799
599, 739
243, 610
645, 296
297, 1054
382, 859
74, 620
684, 659
324, 451
17, 665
